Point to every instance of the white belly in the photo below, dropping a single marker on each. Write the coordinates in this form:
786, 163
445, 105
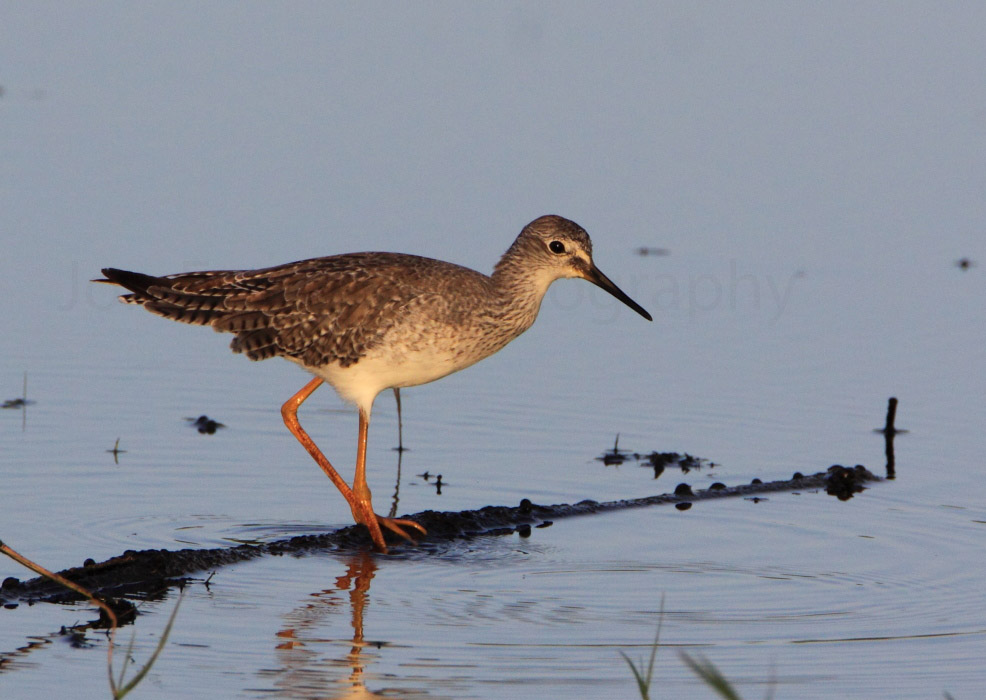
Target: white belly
418, 351
360, 383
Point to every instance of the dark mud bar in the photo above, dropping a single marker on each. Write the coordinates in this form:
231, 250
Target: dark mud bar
151, 572
364, 323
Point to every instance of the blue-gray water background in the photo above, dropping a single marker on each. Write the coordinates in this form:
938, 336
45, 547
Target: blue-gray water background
815, 171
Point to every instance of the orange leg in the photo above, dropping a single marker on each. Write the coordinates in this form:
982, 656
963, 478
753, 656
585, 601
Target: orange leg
358, 497
289, 411
363, 508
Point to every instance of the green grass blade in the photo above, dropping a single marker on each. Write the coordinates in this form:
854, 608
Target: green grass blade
643, 684
711, 676
644, 679
127, 657
132, 683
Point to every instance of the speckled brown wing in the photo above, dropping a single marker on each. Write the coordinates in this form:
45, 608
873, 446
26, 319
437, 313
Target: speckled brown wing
316, 311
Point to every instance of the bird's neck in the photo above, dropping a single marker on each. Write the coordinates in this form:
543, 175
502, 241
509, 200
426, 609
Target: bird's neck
520, 287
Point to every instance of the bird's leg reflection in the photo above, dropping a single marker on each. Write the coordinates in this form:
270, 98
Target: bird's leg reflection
359, 573
301, 663
397, 486
400, 423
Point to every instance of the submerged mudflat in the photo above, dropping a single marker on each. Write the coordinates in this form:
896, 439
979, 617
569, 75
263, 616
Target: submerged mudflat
150, 573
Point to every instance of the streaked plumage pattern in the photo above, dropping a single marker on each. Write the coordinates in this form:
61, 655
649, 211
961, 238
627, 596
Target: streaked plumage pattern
366, 322
317, 311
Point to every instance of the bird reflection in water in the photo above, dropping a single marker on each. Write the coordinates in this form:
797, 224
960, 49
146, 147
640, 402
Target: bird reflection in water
305, 670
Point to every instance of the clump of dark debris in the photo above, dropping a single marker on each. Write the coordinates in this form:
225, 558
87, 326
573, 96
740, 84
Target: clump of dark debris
844, 482
683, 461
205, 425
658, 461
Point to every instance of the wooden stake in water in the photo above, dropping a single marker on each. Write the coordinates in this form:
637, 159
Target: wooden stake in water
889, 432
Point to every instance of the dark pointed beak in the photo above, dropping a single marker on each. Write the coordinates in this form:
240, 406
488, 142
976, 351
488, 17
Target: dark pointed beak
600, 280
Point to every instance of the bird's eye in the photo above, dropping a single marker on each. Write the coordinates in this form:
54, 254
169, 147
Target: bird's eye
556, 247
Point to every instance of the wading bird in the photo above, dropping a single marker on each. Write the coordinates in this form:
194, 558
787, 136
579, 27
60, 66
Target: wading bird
366, 322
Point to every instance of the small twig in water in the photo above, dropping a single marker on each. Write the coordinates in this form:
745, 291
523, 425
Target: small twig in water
616, 456
116, 451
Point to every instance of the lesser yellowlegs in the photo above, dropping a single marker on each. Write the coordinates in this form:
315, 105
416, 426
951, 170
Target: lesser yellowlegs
365, 322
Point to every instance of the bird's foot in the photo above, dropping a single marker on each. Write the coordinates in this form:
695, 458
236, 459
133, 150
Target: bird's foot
398, 524
363, 513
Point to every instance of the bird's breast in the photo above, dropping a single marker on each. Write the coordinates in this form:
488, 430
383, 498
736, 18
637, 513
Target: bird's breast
411, 355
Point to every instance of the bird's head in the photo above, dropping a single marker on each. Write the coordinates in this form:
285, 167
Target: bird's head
554, 247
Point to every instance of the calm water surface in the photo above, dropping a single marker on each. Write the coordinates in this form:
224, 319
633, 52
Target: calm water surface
818, 597
815, 170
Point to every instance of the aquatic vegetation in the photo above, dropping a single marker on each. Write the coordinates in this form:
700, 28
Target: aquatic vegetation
642, 676
119, 687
